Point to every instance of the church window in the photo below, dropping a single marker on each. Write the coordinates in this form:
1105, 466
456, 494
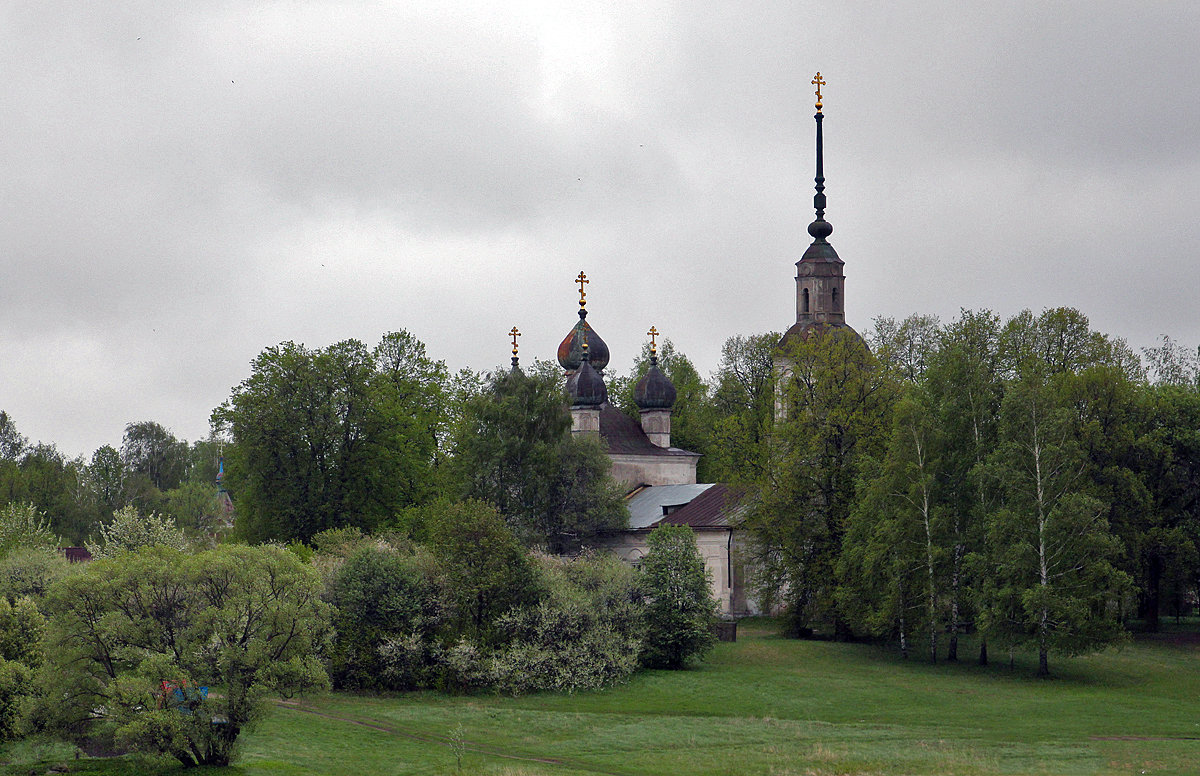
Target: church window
835, 300
805, 301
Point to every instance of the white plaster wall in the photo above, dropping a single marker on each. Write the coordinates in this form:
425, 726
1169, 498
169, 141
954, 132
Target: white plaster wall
713, 545
634, 470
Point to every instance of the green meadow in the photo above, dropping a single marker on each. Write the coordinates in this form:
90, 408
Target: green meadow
764, 705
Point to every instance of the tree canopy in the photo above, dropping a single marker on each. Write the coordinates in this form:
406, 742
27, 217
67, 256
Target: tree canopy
136, 642
333, 436
515, 450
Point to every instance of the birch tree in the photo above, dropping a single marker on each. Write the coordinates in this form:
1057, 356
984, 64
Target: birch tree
1054, 585
892, 558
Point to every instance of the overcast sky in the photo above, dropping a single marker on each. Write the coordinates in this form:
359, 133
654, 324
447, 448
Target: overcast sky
185, 184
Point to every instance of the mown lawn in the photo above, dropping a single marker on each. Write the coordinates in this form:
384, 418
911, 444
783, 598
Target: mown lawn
770, 706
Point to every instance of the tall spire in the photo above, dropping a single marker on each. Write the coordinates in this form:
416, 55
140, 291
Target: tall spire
820, 228
820, 279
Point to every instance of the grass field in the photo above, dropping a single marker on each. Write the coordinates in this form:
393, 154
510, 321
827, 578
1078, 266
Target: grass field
764, 705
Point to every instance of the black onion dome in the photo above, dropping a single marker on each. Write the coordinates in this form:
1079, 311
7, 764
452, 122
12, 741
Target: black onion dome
586, 388
654, 391
570, 350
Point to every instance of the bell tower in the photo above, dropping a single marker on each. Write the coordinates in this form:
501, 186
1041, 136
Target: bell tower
820, 280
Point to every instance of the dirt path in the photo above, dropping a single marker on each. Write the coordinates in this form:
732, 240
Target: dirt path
444, 741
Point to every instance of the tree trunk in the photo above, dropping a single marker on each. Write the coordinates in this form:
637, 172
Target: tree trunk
1151, 598
983, 657
952, 645
1043, 671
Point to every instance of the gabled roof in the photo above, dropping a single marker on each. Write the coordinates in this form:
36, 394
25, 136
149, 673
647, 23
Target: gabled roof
720, 506
646, 505
707, 505
623, 435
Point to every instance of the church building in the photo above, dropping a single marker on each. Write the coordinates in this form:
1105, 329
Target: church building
659, 479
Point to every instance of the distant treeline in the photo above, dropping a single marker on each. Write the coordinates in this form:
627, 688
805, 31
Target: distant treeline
1031, 478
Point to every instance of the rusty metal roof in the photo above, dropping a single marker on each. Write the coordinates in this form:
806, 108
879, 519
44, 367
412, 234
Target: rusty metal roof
623, 435
719, 506
647, 505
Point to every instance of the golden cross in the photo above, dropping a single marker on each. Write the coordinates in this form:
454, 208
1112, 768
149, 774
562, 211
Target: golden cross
652, 334
582, 280
818, 82
514, 334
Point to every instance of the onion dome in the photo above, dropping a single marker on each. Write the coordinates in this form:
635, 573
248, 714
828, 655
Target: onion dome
654, 391
582, 338
570, 350
585, 387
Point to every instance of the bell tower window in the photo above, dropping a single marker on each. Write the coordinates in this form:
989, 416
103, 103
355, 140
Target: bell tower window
804, 301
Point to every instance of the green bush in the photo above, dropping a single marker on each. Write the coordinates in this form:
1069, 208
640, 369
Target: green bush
483, 569
129, 631
31, 572
130, 530
22, 526
681, 614
21, 631
15, 688
387, 610
463, 667
586, 634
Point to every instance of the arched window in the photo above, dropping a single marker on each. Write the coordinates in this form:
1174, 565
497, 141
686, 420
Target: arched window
804, 306
835, 301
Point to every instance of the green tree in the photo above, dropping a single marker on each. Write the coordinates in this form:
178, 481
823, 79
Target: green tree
1172, 364
681, 614
743, 410
106, 477
151, 451
963, 378
1054, 584
906, 347
1058, 341
1164, 537
423, 390
21, 629
194, 507
836, 404
12, 442
894, 550
55, 485
484, 569
132, 641
515, 450
203, 460
325, 438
